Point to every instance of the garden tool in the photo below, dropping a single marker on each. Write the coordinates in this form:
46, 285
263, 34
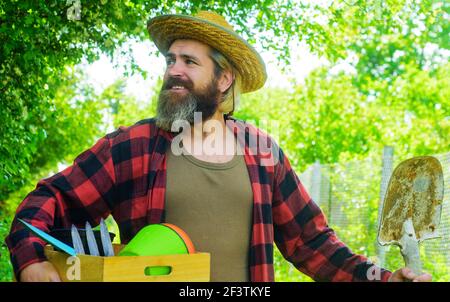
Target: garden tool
76, 240
412, 207
47, 238
159, 239
106, 239
92, 243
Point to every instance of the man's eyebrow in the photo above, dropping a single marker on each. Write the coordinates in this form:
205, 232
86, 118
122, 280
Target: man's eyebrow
184, 56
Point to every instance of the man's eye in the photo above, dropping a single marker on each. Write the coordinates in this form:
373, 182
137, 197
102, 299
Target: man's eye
170, 61
190, 62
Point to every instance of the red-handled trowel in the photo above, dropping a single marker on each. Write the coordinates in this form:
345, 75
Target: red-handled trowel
412, 207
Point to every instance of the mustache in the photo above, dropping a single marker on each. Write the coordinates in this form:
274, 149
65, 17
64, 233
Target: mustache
171, 81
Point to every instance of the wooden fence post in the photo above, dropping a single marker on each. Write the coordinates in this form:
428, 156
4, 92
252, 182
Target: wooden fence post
386, 172
316, 187
315, 182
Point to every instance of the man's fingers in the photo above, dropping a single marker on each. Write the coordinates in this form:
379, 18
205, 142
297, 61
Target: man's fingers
408, 273
423, 278
55, 278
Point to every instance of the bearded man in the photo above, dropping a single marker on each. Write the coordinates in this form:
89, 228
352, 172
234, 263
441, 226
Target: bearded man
234, 202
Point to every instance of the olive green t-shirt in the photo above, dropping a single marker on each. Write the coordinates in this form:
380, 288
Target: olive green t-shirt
212, 203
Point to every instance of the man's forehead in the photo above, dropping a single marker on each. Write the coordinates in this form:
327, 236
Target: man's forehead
188, 46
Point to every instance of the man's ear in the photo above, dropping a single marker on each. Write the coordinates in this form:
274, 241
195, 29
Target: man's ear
225, 80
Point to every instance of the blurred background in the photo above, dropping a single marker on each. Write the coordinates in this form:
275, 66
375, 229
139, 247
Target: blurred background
354, 88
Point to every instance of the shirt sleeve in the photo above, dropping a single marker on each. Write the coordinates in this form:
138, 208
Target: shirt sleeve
303, 237
82, 192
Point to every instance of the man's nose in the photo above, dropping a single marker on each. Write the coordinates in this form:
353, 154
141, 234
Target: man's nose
176, 69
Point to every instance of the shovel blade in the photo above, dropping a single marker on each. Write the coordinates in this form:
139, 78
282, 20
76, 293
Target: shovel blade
415, 191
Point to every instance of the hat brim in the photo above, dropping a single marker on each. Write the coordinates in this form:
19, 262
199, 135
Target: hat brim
165, 29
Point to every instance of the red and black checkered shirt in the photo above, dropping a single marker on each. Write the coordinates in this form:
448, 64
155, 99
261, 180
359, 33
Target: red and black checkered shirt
124, 174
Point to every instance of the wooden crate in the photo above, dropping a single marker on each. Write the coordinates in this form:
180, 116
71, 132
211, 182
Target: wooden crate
185, 267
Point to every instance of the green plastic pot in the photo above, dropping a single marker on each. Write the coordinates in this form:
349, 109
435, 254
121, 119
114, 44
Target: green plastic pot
157, 240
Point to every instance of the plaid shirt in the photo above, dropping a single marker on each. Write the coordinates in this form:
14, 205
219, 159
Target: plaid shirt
124, 174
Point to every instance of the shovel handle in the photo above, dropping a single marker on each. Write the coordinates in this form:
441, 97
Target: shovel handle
410, 247
411, 255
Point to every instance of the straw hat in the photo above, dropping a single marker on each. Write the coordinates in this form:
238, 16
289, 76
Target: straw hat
213, 30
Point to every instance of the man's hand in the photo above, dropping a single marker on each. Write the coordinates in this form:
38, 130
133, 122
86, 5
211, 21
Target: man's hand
40, 272
405, 274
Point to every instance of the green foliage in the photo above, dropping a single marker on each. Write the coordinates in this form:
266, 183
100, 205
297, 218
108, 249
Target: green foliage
59, 132
330, 120
386, 36
40, 41
125, 110
5, 265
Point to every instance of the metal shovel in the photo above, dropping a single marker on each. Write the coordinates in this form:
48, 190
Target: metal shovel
412, 207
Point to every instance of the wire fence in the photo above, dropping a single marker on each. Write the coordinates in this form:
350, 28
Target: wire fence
351, 196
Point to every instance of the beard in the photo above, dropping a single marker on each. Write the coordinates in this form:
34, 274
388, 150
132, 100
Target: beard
174, 106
